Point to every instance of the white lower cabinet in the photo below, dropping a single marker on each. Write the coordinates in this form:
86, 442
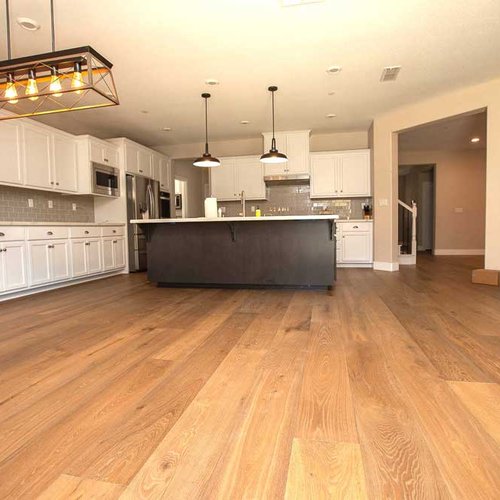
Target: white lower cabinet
13, 275
85, 257
113, 253
49, 261
354, 243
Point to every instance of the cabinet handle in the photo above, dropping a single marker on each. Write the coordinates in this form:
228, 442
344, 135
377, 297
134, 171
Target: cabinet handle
87, 243
355, 227
50, 233
140, 171
106, 160
57, 184
115, 241
4, 250
2, 234
50, 246
114, 230
52, 182
86, 232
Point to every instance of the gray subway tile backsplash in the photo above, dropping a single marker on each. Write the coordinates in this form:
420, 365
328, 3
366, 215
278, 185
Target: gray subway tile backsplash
295, 200
14, 206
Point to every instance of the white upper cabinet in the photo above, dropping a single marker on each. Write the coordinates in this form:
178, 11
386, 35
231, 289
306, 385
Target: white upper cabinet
37, 157
144, 162
295, 144
102, 153
237, 174
340, 174
11, 165
165, 173
65, 165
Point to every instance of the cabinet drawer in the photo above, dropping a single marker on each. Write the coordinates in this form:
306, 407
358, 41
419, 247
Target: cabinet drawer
8, 233
85, 232
48, 233
355, 226
113, 231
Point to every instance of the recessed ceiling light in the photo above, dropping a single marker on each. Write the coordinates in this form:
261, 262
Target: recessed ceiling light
334, 69
212, 81
475, 139
245, 122
165, 129
28, 23
331, 92
144, 111
331, 115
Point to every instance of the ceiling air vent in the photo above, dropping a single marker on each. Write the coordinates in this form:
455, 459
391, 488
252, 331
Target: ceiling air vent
390, 73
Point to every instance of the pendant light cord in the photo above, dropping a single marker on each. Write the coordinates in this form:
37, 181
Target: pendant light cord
52, 25
206, 125
7, 17
273, 142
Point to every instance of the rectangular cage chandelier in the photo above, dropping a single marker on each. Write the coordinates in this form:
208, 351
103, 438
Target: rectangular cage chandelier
55, 82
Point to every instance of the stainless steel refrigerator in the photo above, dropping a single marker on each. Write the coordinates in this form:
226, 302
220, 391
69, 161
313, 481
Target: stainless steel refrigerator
143, 202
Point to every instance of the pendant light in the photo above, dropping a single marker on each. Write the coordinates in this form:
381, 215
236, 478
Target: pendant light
207, 160
32, 87
274, 156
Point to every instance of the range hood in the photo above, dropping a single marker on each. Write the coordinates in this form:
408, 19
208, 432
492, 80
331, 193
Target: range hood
287, 179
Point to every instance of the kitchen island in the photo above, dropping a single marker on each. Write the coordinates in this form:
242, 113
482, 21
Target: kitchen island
277, 252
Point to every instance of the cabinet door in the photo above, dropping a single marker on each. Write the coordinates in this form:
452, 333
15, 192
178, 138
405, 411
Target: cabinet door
11, 166
93, 254
110, 156
37, 157
144, 163
108, 259
356, 247
297, 150
39, 262
155, 167
65, 163
164, 174
119, 253
78, 258
96, 151
222, 180
354, 173
14, 266
323, 176
249, 174
59, 260
131, 159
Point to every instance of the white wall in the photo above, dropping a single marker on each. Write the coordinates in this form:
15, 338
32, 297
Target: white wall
195, 178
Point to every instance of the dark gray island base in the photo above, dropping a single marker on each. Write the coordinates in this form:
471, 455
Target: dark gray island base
286, 253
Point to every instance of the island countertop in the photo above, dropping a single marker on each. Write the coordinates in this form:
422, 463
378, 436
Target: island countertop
236, 219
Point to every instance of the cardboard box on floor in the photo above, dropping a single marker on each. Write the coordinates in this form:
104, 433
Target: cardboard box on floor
485, 276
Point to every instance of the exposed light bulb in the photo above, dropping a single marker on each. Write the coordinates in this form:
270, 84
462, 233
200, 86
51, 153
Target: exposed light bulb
77, 80
10, 90
32, 87
55, 84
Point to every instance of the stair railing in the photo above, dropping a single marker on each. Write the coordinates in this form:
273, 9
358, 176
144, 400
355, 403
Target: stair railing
409, 225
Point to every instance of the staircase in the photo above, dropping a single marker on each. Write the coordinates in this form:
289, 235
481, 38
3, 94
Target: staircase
407, 230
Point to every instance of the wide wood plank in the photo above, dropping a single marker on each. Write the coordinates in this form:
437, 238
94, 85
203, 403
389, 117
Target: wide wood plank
67, 487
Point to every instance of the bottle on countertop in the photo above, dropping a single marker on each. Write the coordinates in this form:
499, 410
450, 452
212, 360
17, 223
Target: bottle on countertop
258, 212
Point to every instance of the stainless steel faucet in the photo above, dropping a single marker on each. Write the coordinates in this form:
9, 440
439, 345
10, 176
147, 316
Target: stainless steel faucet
243, 203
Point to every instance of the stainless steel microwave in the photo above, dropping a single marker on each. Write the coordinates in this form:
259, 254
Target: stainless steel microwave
105, 180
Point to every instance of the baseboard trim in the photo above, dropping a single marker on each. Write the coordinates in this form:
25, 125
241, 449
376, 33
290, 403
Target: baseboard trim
54, 286
365, 266
459, 251
386, 266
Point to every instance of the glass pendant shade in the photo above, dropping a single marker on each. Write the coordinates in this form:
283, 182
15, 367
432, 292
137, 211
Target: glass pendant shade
31, 86
207, 160
77, 80
10, 90
55, 84
273, 156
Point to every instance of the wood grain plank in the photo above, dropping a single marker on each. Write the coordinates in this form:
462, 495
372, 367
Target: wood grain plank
67, 487
323, 470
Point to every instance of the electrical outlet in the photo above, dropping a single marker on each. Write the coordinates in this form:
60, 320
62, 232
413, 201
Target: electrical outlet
253, 208
73, 207
51, 204
30, 203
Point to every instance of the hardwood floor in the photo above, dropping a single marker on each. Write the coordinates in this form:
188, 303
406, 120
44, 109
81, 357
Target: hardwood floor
386, 387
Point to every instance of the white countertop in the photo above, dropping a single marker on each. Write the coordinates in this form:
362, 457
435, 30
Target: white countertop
355, 220
235, 219
25, 223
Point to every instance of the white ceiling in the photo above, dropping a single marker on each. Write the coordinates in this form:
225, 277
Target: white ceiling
452, 134
163, 51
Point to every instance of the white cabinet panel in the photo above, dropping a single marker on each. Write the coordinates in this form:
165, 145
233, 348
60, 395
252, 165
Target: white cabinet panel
13, 275
37, 157
295, 144
155, 167
78, 258
355, 173
323, 175
165, 174
93, 256
107, 254
39, 262
119, 253
222, 180
104, 154
11, 165
59, 260
356, 247
144, 162
110, 156
65, 163
249, 177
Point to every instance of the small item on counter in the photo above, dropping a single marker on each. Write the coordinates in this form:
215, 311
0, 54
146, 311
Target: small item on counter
211, 208
367, 211
219, 212
258, 213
